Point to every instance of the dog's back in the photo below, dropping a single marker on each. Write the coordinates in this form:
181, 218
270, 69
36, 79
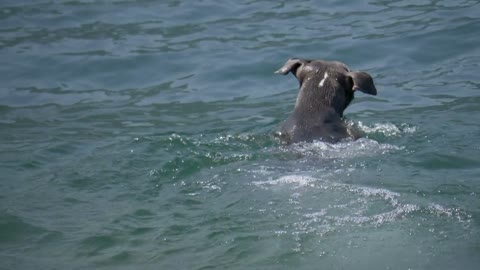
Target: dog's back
325, 126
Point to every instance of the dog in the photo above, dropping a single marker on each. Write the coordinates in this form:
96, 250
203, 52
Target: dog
326, 89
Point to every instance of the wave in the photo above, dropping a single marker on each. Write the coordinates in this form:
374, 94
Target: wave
339, 205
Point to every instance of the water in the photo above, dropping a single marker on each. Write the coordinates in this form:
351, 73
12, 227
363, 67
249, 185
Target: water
137, 135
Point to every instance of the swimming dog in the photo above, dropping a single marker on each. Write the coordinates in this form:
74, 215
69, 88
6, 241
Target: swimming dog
326, 89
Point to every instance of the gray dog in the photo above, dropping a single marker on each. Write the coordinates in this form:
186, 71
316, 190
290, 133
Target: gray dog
326, 89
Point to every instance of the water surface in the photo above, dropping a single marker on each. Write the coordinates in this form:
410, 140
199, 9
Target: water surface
137, 135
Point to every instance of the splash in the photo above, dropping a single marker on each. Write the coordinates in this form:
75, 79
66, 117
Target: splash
387, 129
296, 180
346, 149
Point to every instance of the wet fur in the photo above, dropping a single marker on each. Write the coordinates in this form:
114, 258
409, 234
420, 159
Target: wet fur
326, 89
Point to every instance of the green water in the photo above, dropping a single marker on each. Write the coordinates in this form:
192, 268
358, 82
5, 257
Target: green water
137, 135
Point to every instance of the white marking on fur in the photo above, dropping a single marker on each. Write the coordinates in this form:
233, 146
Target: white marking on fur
325, 76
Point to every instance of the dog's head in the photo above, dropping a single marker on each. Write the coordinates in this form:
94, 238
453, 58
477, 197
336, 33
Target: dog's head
324, 83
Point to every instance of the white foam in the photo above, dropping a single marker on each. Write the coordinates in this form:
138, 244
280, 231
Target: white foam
456, 213
364, 199
346, 149
378, 192
387, 129
297, 180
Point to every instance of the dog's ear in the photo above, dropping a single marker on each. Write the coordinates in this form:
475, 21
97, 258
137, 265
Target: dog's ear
290, 66
362, 81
